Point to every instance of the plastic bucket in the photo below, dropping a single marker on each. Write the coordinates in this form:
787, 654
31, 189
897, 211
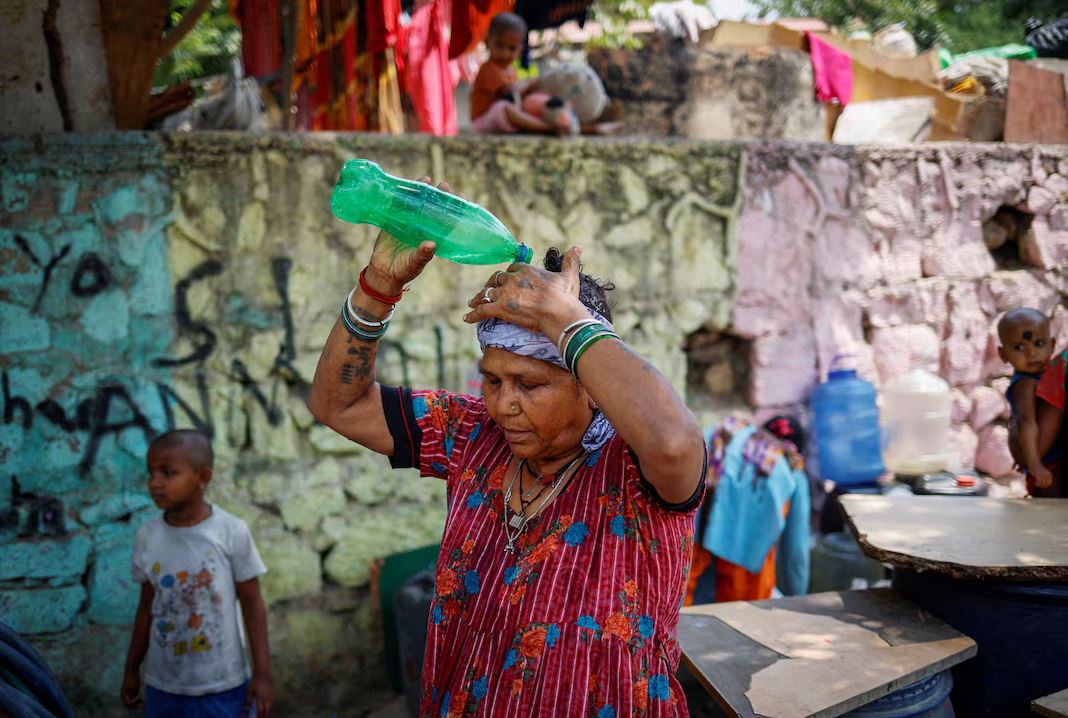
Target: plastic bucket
838, 564
1021, 630
926, 698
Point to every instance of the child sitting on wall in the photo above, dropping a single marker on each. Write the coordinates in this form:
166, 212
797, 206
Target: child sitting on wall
497, 99
194, 563
1026, 344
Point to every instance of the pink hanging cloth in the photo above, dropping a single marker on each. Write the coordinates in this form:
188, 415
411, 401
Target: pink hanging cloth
428, 76
832, 71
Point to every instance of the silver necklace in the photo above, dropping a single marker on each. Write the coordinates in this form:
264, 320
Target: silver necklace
519, 521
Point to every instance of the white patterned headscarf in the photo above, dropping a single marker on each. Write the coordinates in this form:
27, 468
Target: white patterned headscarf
513, 338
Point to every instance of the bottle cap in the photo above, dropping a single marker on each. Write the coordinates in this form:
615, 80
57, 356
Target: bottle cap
523, 253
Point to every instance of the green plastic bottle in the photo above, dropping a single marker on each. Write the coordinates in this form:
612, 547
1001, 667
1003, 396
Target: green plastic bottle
414, 212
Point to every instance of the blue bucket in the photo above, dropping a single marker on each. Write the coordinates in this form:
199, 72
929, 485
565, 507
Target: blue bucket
1021, 630
926, 698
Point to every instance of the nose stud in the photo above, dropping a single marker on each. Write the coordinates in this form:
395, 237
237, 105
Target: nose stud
514, 408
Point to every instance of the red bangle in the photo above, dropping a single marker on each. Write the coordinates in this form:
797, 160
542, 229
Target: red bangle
373, 294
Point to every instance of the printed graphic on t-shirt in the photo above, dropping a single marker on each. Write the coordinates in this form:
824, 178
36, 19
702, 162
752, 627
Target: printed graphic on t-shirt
187, 608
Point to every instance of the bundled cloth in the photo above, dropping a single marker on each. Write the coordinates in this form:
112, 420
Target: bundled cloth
1049, 39
989, 71
682, 18
895, 41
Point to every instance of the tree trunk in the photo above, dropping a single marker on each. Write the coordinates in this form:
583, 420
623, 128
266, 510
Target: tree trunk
132, 36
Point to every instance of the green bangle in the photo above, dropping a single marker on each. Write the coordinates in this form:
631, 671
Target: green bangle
578, 337
573, 366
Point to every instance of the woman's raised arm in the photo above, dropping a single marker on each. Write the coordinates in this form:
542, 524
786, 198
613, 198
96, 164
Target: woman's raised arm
344, 394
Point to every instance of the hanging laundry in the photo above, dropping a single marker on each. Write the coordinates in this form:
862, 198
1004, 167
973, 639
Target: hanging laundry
832, 71
382, 19
470, 21
262, 47
261, 35
428, 76
334, 99
761, 499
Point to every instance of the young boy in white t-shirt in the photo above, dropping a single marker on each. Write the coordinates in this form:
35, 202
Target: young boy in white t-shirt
194, 564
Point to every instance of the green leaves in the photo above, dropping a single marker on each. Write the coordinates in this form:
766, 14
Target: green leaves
206, 50
959, 25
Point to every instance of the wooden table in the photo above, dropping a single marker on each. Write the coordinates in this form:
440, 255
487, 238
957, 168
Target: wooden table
1054, 706
964, 537
814, 656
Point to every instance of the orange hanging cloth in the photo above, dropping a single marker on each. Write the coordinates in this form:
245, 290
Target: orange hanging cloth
470, 22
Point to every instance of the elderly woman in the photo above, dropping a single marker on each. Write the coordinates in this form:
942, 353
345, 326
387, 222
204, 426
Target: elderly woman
572, 484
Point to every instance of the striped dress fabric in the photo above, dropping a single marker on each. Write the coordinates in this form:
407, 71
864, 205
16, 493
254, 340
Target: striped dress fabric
580, 620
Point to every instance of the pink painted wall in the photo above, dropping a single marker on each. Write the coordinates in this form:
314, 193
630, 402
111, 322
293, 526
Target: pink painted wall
881, 252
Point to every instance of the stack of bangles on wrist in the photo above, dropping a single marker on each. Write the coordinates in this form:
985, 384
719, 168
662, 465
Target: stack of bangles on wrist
367, 329
579, 336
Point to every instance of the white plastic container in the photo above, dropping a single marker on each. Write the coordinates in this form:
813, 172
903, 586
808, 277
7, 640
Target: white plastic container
916, 419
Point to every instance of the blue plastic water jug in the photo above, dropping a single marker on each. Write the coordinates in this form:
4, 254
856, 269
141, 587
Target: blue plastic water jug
847, 428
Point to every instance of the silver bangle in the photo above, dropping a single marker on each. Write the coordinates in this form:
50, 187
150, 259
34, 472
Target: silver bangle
570, 327
367, 322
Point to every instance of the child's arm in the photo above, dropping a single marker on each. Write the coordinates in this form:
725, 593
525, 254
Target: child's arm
1023, 396
255, 612
131, 679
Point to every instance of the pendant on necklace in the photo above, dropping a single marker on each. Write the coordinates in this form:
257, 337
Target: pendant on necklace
510, 546
516, 521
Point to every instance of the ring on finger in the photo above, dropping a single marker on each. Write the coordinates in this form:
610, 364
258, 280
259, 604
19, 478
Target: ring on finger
496, 279
486, 299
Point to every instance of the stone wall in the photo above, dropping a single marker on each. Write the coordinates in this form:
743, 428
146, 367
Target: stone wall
898, 255
151, 282
672, 88
158, 281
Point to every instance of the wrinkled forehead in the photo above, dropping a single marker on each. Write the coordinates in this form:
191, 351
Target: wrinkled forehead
503, 363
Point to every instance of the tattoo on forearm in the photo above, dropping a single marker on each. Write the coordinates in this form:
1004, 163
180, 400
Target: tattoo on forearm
364, 314
365, 362
347, 370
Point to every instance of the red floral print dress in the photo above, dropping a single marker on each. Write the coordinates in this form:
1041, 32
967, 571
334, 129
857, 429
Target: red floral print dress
581, 619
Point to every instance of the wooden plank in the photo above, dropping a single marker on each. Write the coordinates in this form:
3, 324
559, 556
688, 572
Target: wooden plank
1052, 706
1009, 539
814, 656
1035, 106
723, 660
810, 688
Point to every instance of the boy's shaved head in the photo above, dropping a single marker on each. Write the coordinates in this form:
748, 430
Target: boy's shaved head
507, 22
1016, 318
195, 444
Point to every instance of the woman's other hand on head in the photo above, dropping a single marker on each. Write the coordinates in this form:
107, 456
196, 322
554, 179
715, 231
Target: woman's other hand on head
394, 264
528, 296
